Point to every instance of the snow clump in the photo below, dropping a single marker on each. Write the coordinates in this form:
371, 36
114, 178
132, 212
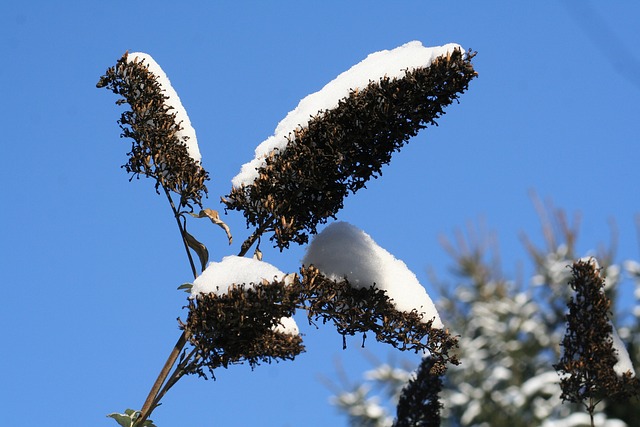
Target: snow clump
187, 134
218, 277
342, 251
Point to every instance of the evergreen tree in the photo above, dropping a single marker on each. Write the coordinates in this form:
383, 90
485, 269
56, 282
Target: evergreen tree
510, 334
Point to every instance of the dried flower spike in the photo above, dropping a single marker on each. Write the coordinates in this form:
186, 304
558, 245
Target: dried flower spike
590, 364
240, 311
296, 185
164, 145
370, 310
419, 404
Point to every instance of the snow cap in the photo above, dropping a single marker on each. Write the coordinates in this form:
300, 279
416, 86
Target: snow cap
187, 134
342, 251
218, 277
390, 63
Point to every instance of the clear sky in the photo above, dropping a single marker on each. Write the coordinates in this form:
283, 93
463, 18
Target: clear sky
91, 262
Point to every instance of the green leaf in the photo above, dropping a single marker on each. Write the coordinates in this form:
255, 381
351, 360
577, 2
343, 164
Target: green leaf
124, 420
186, 286
214, 216
129, 418
198, 248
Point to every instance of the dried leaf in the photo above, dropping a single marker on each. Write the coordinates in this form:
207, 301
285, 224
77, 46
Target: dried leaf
214, 216
199, 248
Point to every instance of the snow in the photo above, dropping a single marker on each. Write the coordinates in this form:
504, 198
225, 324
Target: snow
287, 326
580, 419
187, 134
545, 383
390, 63
387, 373
218, 277
357, 405
342, 251
624, 361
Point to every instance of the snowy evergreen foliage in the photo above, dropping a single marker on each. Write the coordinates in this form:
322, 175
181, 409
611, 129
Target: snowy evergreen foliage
510, 333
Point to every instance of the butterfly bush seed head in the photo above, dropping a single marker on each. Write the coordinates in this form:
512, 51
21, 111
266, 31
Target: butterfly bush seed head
159, 149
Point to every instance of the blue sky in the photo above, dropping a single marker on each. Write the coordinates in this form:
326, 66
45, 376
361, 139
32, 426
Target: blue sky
91, 262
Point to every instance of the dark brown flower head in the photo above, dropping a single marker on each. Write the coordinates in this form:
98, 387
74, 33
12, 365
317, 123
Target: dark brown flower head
343, 148
419, 404
158, 149
587, 365
369, 310
242, 326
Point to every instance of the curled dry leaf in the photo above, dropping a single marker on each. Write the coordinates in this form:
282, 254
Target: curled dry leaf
199, 248
215, 218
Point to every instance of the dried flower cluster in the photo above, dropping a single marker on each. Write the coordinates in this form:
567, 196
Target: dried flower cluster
241, 326
156, 151
370, 310
587, 364
298, 187
343, 148
419, 404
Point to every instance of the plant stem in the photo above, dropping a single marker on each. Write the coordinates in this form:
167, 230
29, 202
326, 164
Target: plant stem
182, 228
151, 402
157, 390
175, 376
246, 245
155, 393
